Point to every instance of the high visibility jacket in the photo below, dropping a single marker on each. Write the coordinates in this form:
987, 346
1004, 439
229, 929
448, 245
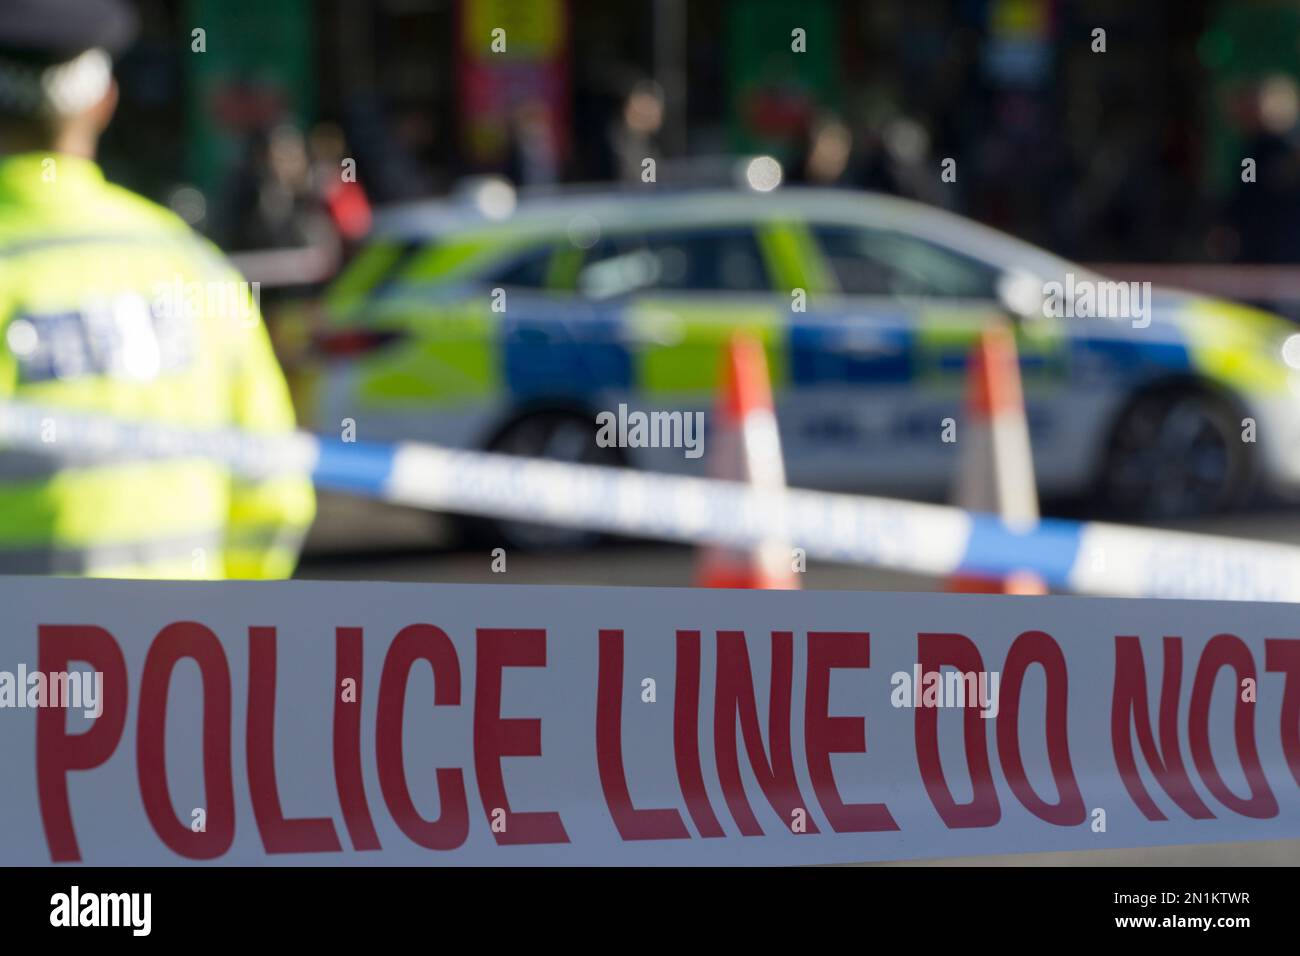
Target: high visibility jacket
112, 305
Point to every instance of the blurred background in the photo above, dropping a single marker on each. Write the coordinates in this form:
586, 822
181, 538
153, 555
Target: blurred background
1127, 158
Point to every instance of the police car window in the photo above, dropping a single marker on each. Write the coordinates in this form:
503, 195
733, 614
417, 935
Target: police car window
874, 262
526, 271
713, 260
378, 268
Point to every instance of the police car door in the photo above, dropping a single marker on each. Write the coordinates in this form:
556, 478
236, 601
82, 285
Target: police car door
878, 363
680, 292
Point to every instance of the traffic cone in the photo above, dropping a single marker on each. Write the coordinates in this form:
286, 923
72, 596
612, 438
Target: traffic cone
746, 446
996, 467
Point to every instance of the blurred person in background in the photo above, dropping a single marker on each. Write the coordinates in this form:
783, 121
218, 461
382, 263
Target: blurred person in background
274, 202
392, 148
634, 137
533, 155
334, 175
106, 307
873, 166
825, 161
1265, 213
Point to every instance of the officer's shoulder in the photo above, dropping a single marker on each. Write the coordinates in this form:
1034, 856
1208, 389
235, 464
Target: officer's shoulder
127, 207
146, 215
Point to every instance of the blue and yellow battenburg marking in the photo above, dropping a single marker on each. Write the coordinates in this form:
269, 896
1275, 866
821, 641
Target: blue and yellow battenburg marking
454, 350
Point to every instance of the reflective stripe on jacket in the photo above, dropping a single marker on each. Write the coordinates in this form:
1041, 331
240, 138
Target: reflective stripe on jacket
111, 304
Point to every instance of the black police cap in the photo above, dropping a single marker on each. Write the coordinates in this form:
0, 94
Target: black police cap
48, 32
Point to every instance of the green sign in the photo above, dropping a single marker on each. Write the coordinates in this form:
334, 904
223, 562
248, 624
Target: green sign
250, 67
783, 66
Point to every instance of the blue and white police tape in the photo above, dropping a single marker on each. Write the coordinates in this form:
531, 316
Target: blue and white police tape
1084, 557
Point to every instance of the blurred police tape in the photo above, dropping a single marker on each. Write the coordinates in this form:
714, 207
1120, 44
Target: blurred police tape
938, 540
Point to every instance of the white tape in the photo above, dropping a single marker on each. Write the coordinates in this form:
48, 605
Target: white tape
1138, 562
924, 539
367, 724
905, 536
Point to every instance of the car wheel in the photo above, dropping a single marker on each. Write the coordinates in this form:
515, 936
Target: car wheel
557, 436
1174, 454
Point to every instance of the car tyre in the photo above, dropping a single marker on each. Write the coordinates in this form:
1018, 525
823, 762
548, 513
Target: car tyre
1176, 453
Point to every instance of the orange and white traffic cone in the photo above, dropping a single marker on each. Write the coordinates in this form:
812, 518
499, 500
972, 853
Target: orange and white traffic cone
746, 446
996, 467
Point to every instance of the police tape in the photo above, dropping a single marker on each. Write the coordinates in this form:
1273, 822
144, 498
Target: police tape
365, 723
929, 539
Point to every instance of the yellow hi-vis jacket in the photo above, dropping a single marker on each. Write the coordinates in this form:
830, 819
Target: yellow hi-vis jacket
111, 305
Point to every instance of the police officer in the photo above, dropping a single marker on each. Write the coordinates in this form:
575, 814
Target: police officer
110, 304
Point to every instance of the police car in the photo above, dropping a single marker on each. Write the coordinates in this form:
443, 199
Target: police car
513, 327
